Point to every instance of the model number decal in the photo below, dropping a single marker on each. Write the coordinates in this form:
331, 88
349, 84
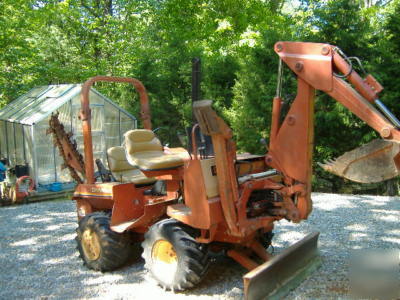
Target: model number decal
96, 190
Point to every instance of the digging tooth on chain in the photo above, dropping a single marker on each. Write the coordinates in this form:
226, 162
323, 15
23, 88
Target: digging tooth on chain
59, 134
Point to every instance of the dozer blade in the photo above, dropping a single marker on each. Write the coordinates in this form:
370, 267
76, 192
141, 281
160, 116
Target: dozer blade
370, 163
275, 278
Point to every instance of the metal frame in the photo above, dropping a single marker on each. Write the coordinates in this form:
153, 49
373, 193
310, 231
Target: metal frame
30, 103
34, 158
55, 163
6, 136
15, 144
119, 127
23, 142
12, 105
85, 115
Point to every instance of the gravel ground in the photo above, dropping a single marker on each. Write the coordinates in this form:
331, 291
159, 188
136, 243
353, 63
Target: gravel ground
38, 257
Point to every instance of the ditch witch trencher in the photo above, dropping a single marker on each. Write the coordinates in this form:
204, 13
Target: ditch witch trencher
183, 204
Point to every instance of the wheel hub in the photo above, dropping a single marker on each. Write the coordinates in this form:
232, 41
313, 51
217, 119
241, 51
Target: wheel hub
165, 252
165, 260
91, 244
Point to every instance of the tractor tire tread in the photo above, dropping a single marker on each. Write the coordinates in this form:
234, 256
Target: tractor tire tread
193, 257
116, 249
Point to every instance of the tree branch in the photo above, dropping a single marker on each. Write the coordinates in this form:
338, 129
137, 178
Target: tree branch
89, 9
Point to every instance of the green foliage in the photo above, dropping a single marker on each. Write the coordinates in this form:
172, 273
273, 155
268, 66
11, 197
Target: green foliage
68, 41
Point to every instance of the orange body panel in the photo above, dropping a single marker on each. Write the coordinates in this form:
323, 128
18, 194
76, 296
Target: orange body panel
308, 62
291, 149
129, 207
198, 211
128, 203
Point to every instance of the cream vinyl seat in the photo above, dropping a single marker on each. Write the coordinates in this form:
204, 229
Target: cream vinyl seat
144, 149
122, 170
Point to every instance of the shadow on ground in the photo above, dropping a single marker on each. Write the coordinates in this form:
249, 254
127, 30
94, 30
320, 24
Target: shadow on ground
38, 258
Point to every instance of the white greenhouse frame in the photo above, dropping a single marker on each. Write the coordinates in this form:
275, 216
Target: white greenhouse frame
23, 125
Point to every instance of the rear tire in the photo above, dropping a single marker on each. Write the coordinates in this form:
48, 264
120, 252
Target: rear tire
100, 248
173, 257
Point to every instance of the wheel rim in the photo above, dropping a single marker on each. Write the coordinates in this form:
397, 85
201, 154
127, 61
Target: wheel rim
91, 244
165, 260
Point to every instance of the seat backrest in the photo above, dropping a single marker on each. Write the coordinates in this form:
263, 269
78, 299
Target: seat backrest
117, 161
141, 140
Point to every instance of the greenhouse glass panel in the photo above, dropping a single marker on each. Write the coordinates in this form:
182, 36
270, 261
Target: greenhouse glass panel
29, 149
126, 123
3, 141
19, 144
10, 142
97, 118
111, 126
45, 153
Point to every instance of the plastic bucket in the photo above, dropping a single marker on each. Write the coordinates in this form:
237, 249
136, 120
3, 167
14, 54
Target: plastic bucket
55, 187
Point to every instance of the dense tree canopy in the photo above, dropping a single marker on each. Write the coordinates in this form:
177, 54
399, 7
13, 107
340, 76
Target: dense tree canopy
68, 41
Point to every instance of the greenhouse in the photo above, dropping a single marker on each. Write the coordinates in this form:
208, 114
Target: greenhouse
24, 122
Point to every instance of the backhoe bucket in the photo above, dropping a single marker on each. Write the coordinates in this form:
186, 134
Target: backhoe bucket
285, 271
373, 162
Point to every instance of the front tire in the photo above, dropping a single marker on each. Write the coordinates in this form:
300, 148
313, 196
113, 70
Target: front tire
173, 257
100, 248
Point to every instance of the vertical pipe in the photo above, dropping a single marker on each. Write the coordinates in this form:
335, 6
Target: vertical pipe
196, 78
7, 142
35, 162
23, 142
103, 130
54, 163
196, 94
1, 152
71, 113
119, 127
2, 139
15, 144
276, 115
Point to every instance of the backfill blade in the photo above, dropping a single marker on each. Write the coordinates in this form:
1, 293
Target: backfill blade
285, 271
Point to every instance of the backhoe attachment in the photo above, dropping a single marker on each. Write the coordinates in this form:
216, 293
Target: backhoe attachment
326, 68
373, 162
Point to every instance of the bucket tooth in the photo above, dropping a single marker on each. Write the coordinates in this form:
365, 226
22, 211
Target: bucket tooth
285, 271
373, 162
